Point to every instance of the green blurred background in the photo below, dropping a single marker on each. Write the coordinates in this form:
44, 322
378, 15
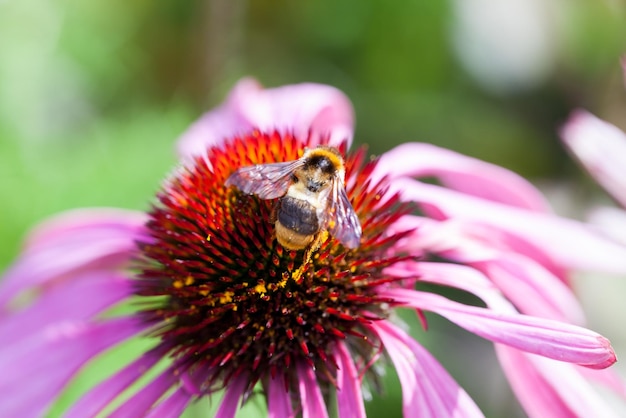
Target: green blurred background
94, 93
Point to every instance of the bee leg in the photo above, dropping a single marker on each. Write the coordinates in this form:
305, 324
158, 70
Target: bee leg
274, 214
319, 239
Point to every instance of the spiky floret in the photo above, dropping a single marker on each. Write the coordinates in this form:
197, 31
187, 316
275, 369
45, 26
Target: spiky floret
224, 296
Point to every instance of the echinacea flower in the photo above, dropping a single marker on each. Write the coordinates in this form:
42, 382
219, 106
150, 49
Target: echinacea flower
219, 297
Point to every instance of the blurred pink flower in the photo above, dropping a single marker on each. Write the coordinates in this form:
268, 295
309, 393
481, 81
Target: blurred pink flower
221, 299
601, 148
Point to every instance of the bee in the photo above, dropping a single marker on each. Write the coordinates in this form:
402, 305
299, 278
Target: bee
312, 198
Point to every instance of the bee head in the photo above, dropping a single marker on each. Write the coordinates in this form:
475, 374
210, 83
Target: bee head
314, 185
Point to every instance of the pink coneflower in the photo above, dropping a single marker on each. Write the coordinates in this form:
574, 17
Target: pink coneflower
233, 311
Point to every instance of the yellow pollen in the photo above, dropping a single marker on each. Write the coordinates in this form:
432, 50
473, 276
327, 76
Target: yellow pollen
297, 273
283, 282
208, 237
309, 253
189, 281
178, 284
226, 297
260, 288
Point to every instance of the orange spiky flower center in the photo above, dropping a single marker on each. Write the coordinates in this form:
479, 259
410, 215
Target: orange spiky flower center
225, 296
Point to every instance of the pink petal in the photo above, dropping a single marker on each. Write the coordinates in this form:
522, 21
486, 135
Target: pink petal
349, 395
66, 246
98, 397
232, 396
427, 389
601, 147
608, 378
552, 339
573, 388
430, 235
171, 407
532, 288
89, 220
225, 121
313, 405
551, 388
459, 172
90, 293
301, 108
279, 402
34, 373
611, 221
141, 402
538, 398
534, 392
454, 275
569, 243
508, 243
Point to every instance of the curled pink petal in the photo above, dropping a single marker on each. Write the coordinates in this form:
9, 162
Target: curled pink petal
601, 147
527, 284
568, 242
313, 405
349, 395
454, 275
551, 388
533, 289
427, 389
459, 172
303, 109
548, 338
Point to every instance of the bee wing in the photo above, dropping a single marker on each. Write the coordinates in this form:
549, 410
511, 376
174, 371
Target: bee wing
268, 181
341, 221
